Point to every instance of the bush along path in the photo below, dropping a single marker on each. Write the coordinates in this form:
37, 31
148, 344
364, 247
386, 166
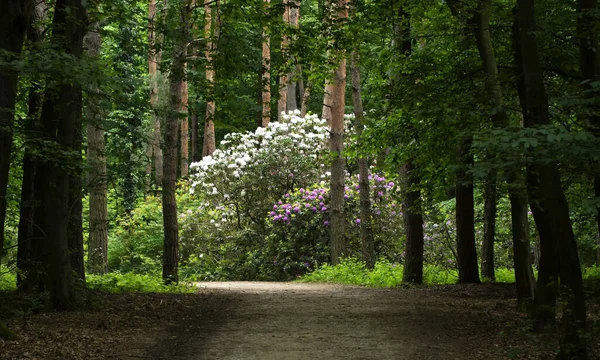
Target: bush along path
248, 320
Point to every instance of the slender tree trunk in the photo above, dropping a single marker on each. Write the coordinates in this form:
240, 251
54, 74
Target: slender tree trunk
294, 17
481, 22
409, 179
489, 227
176, 106
338, 91
154, 150
284, 78
366, 227
266, 72
524, 279
96, 171
209, 144
75, 226
14, 16
185, 132
305, 98
545, 190
468, 271
196, 155
25, 260
327, 102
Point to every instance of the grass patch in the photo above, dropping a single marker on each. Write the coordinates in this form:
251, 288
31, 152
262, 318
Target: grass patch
136, 283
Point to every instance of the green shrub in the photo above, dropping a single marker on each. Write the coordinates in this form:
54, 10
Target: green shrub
8, 279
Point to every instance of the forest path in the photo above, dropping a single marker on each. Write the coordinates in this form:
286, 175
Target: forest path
287, 321
262, 321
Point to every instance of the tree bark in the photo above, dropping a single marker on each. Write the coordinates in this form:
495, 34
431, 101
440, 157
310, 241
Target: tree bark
524, 279
154, 150
294, 17
185, 136
284, 78
75, 226
266, 72
14, 16
366, 226
305, 98
209, 143
489, 227
413, 223
338, 91
59, 120
25, 260
96, 170
547, 199
590, 69
468, 271
176, 106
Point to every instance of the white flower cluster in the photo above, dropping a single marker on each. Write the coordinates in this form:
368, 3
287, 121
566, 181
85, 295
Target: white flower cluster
240, 152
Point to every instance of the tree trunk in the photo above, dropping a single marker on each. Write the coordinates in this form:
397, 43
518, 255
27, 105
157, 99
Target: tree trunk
305, 98
294, 17
154, 147
481, 21
524, 279
366, 227
185, 136
489, 227
266, 72
327, 102
209, 143
284, 78
96, 171
590, 69
338, 91
196, 155
413, 223
75, 226
14, 16
59, 118
468, 271
176, 106
25, 260
551, 211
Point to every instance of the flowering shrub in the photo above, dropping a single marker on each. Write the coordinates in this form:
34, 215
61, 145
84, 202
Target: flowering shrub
251, 170
299, 225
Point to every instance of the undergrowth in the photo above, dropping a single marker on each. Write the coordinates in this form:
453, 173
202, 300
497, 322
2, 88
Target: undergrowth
130, 282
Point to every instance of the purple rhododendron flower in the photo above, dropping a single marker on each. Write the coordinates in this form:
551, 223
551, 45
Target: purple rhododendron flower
357, 221
326, 223
324, 209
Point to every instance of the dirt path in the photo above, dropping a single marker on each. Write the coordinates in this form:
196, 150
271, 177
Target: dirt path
265, 321
245, 320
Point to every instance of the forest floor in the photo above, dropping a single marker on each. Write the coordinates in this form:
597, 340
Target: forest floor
248, 320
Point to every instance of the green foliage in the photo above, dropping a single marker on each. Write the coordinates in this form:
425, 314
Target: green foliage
384, 275
8, 279
130, 282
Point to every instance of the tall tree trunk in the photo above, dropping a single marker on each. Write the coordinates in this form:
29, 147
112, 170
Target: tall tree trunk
14, 16
185, 139
338, 92
266, 72
154, 150
294, 17
196, 155
468, 271
209, 143
176, 106
75, 226
96, 170
551, 209
285, 53
409, 179
366, 226
25, 260
59, 120
481, 22
590, 69
327, 102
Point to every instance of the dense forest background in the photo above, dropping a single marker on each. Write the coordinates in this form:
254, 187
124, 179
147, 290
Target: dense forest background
265, 140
